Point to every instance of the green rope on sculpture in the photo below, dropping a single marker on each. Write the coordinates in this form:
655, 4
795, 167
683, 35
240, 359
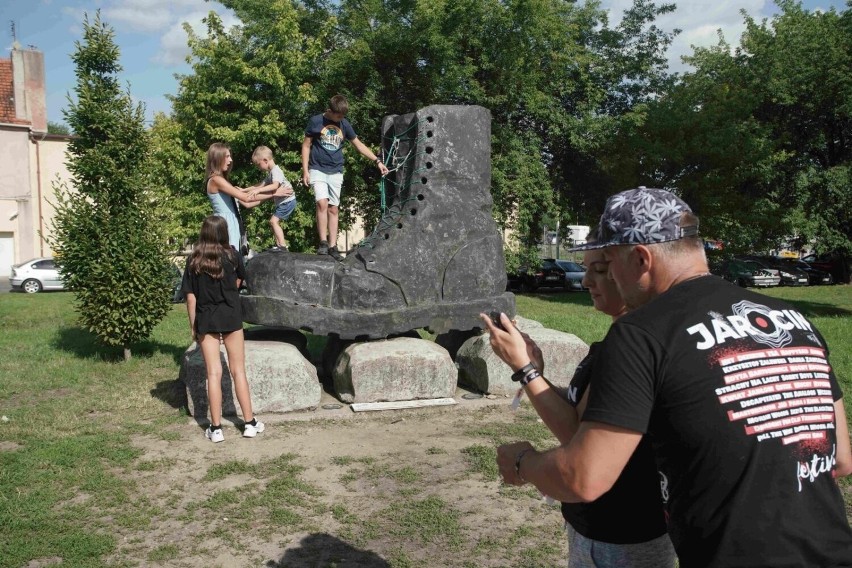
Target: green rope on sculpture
390, 216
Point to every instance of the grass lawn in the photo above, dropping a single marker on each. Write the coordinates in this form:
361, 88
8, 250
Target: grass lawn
100, 467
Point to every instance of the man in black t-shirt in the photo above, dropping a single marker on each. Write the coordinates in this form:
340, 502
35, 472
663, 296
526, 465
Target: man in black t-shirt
733, 388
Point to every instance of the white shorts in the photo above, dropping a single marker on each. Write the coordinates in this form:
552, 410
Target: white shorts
326, 186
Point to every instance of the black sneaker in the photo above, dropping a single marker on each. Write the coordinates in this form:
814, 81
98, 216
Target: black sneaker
323, 247
276, 248
335, 254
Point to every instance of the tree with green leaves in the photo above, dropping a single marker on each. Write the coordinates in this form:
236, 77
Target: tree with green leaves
108, 250
759, 138
250, 86
557, 80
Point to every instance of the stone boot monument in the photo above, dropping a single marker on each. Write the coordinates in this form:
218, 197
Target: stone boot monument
434, 261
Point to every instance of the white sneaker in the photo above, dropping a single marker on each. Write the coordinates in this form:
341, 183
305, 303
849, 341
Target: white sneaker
251, 431
215, 435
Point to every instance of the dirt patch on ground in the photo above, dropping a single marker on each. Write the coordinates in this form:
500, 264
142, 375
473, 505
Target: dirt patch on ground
336, 488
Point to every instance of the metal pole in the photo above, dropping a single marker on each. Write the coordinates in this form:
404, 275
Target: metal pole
557, 238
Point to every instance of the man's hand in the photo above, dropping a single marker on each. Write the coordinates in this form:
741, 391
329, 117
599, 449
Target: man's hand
507, 459
510, 345
382, 168
306, 179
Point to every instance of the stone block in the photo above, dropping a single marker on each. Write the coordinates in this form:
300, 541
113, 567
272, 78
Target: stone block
193, 377
403, 368
280, 377
482, 370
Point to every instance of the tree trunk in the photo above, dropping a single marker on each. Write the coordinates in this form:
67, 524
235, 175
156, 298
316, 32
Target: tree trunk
127, 353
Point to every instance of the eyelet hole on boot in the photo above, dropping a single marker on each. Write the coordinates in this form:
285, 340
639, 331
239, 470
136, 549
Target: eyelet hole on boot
428, 165
399, 225
423, 180
413, 212
387, 236
428, 134
429, 119
420, 197
429, 149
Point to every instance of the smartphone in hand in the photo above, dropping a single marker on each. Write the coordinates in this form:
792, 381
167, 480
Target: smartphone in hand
495, 319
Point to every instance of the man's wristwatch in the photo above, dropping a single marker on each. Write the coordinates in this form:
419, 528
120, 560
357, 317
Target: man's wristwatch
525, 374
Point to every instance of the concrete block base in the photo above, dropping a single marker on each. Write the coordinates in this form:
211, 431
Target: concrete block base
403, 368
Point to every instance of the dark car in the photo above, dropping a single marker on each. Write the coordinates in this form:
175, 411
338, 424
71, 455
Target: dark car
816, 277
548, 274
747, 273
574, 274
176, 281
790, 275
834, 263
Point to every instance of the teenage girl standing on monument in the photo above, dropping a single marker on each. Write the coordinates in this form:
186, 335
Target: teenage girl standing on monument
211, 284
222, 195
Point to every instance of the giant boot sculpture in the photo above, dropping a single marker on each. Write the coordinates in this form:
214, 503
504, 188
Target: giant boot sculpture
434, 261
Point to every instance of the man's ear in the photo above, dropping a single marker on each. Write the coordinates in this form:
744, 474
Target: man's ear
644, 258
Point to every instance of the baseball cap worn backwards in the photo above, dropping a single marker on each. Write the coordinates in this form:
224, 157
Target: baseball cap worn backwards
641, 216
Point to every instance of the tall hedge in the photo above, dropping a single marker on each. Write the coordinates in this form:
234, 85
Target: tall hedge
107, 247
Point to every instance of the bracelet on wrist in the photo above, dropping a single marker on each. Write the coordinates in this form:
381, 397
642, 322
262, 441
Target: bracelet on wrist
518, 463
529, 377
518, 375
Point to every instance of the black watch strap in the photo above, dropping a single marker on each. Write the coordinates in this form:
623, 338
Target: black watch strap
518, 375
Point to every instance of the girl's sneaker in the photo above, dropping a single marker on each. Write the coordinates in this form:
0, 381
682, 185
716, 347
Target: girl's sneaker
250, 431
215, 435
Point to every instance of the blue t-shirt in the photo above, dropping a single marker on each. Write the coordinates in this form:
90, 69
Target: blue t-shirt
327, 145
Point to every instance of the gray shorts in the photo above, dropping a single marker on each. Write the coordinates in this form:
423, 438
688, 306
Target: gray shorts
587, 553
326, 186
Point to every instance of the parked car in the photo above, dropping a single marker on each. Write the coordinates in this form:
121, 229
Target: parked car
790, 275
816, 276
748, 273
574, 274
834, 263
547, 274
36, 275
177, 280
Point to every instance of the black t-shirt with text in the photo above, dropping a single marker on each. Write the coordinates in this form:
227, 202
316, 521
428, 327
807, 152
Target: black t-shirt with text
736, 392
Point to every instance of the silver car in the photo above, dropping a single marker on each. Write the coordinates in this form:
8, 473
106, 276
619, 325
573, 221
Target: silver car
574, 274
36, 275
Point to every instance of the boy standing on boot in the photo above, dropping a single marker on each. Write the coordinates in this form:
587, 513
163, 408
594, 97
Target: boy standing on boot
274, 186
322, 167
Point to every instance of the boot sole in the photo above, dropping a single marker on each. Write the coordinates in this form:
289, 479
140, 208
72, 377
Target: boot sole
348, 324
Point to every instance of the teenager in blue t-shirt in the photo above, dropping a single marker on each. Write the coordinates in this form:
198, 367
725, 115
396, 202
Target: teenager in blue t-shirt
322, 167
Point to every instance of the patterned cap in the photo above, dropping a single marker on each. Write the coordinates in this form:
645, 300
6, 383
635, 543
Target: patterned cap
641, 216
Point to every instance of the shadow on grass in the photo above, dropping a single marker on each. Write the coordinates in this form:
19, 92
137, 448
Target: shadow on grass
322, 549
82, 344
172, 393
810, 309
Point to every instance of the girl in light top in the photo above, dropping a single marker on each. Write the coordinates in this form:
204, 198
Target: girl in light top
222, 195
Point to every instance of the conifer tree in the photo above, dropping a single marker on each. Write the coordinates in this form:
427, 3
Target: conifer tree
107, 248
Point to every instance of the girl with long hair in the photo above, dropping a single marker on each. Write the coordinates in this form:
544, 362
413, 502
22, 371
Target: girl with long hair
222, 194
211, 282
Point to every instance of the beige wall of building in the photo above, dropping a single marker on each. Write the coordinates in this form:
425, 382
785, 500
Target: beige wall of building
31, 163
31, 160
